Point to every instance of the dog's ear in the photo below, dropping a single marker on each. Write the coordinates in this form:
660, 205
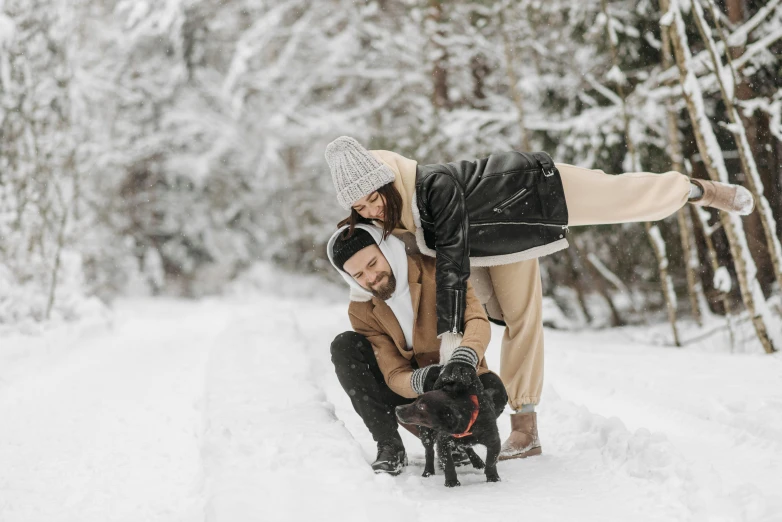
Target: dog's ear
491, 394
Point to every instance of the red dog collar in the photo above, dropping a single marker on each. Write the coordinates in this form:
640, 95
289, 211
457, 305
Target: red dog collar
474, 399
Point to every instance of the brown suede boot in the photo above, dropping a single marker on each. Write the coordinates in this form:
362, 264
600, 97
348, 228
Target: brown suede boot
724, 196
523, 441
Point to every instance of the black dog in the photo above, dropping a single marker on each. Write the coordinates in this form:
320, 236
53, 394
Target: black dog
457, 416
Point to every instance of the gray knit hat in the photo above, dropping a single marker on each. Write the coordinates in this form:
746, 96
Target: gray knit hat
356, 173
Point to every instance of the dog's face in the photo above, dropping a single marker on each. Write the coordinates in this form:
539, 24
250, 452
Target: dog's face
438, 410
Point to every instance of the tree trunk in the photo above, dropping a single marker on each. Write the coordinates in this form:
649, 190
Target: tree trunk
654, 236
658, 245
578, 284
513, 83
715, 165
610, 277
702, 218
726, 77
601, 281
759, 137
691, 264
479, 70
693, 267
736, 13
57, 258
440, 65
602, 288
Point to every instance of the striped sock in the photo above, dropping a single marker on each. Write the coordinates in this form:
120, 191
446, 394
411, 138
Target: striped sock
695, 191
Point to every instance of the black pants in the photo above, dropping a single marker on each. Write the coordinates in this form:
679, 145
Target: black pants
361, 378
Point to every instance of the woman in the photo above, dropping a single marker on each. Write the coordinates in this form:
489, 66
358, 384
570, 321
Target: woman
489, 220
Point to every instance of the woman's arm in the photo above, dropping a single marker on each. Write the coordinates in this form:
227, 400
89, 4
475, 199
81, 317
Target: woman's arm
445, 200
461, 368
477, 330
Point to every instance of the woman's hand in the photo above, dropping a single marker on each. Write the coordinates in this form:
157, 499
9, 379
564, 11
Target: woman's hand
460, 370
458, 374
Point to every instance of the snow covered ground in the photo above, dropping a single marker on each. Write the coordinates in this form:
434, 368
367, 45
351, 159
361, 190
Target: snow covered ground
228, 410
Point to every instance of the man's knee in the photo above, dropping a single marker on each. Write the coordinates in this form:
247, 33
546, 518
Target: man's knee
347, 345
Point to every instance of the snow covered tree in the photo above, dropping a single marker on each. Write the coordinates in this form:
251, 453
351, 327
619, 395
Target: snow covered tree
40, 193
169, 146
714, 160
726, 79
652, 230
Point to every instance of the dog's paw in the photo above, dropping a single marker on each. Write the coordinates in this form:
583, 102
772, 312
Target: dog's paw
478, 464
452, 483
493, 478
427, 473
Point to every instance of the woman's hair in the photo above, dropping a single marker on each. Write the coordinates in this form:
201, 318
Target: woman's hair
392, 213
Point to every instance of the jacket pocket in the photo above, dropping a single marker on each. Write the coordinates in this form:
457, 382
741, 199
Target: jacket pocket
518, 196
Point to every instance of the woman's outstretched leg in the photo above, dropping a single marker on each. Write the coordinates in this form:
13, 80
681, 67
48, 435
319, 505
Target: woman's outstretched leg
596, 198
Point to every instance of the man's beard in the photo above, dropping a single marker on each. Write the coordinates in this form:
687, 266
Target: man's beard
385, 291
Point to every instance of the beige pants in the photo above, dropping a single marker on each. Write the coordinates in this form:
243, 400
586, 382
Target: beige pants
513, 292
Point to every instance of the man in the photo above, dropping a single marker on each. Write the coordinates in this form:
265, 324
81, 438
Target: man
393, 354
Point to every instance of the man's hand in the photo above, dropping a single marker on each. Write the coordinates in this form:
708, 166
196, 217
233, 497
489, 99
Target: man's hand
423, 379
432, 376
460, 370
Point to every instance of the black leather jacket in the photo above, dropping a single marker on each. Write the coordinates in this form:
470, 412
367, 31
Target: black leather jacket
507, 203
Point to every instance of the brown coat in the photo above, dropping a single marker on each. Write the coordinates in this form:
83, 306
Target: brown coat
375, 320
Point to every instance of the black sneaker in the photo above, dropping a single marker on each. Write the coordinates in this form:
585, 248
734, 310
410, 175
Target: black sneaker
391, 458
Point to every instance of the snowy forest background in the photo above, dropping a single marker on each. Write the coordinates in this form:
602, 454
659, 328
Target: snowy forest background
170, 147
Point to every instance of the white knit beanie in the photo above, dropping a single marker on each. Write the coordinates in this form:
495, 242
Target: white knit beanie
356, 173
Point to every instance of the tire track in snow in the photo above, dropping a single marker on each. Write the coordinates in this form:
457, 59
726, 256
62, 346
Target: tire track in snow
593, 468
702, 401
108, 429
273, 448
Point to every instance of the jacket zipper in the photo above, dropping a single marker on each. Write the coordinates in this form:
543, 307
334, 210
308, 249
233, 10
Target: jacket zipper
511, 200
455, 328
514, 171
563, 227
